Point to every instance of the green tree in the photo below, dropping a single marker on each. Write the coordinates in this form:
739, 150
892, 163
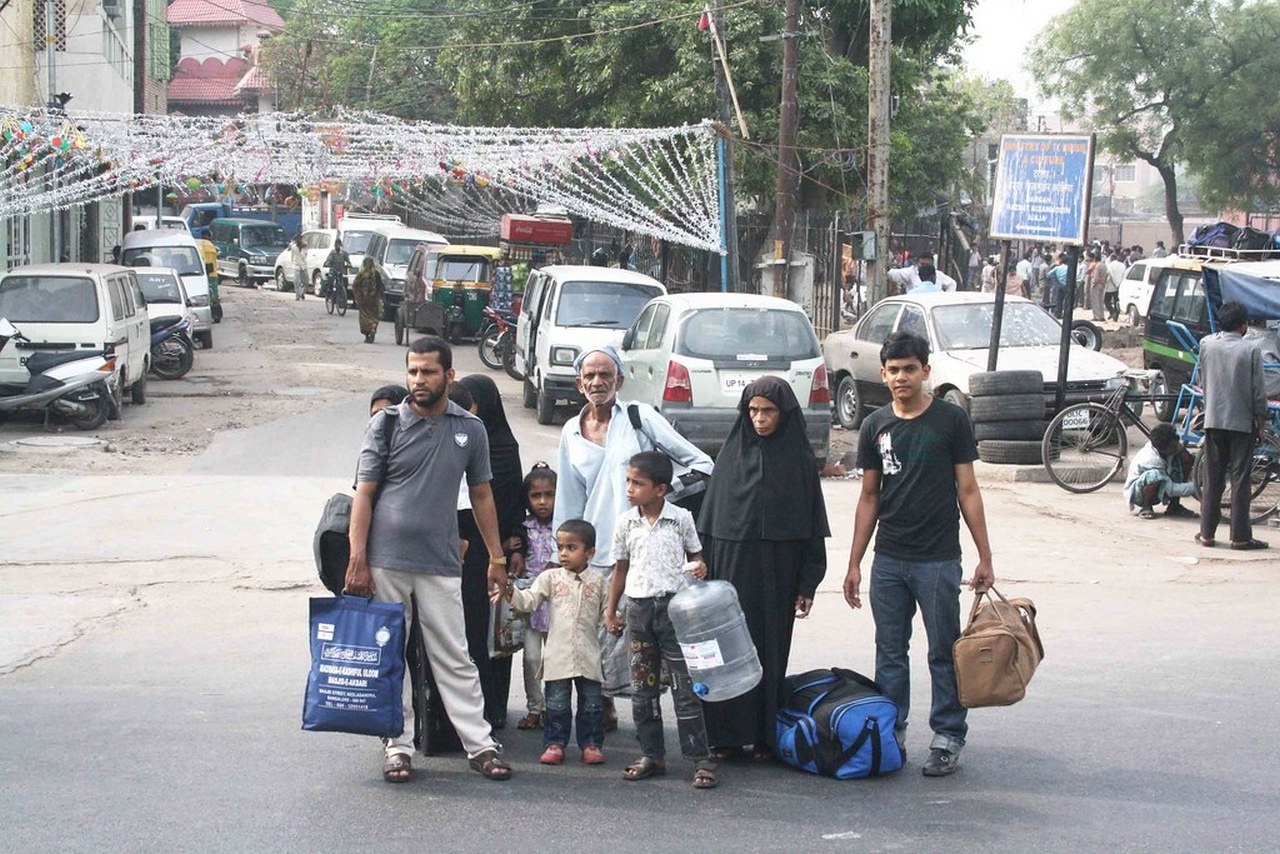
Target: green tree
348, 53
1143, 74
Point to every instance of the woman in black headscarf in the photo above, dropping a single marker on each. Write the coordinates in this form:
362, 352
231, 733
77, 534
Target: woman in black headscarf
763, 527
508, 499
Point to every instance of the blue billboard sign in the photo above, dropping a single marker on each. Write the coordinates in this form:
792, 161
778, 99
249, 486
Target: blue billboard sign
1043, 185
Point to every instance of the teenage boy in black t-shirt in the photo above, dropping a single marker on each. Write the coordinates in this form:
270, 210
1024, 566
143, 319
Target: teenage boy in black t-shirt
917, 458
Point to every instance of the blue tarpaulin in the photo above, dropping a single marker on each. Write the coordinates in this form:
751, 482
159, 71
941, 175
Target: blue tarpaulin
1259, 296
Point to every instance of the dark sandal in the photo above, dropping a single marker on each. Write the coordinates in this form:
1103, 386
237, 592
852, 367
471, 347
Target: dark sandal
533, 720
491, 766
1204, 541
1146, 513
1248, 545
398, 768
1181, 512
705, 778
644, 768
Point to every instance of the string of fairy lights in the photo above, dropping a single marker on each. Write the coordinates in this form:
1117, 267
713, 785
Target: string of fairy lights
660, 182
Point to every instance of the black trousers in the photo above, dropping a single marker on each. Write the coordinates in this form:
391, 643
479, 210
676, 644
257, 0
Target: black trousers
1229, 454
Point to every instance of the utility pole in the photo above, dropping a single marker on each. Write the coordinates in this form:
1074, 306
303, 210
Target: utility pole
878, 143
724, 91
50, 57
785, 212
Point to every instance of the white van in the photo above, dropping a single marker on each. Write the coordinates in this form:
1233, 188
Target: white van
356, 229
146, 222
568, 310
66, 307
391, 248
166, 247
1139, 284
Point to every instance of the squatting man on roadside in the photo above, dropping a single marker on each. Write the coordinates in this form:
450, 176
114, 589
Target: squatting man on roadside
917, 454
406, 545
1161, 474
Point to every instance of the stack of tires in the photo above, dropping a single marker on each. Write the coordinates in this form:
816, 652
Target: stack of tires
1007, 411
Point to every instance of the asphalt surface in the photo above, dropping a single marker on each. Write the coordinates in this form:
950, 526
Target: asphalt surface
153, 654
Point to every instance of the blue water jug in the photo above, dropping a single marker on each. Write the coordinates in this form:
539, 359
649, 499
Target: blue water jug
714, 638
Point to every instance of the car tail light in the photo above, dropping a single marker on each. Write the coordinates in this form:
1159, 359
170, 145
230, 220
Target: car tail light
819, 393
677, 388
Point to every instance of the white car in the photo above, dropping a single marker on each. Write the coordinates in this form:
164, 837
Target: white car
1139, 283
144, 222
166, 296
690, 356
958, 329
316, 246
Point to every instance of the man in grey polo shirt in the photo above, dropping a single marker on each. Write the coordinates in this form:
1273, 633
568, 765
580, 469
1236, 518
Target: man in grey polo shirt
405, 545
1235, 408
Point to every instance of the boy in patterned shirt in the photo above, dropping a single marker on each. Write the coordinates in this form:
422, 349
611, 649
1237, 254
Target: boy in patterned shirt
651, 544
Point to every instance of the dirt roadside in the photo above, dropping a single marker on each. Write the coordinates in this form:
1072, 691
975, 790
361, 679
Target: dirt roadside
271, 355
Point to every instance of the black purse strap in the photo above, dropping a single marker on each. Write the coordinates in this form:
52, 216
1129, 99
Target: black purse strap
388, 430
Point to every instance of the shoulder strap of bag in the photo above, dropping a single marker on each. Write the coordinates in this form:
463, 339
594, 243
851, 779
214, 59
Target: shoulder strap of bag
388, 430
633, 415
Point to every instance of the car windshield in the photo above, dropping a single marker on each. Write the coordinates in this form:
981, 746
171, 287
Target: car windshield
159, 287
185, 259
48, 299
463, 269
604, 305
730, 333
356, 242
262, 236
968, 326
398, 251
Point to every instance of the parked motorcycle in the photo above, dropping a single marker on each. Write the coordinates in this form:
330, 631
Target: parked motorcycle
172, 352
498, 342
78, 384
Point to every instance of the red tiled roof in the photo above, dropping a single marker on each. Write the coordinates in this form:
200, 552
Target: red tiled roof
209, 82
212, 13
257, 80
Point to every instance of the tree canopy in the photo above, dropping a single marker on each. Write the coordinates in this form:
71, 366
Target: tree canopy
1160, 81
581, 63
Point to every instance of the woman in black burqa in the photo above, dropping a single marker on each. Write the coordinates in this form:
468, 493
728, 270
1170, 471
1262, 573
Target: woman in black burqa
763, 528
508, 498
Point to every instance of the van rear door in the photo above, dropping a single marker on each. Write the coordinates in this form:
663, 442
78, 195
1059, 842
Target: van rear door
59, 313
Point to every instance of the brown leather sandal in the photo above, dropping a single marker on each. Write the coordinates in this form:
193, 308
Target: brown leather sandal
533, 720
490, 764
644, 768
398, 768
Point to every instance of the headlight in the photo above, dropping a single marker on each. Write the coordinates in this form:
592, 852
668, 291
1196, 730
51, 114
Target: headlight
563, 355
200, 300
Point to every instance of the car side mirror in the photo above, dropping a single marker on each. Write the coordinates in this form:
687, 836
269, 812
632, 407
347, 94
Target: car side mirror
628, 338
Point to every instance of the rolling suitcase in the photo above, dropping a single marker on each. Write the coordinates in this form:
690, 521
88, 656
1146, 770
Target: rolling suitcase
433, 732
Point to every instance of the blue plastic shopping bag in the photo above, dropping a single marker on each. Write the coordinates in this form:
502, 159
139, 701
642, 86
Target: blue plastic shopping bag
357, 667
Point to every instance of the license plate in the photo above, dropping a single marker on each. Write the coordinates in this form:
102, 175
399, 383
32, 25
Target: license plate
1078, 420
734, 383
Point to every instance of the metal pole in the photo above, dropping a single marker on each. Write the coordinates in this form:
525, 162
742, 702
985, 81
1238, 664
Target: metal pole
722, 154
878, 143
728, 199
788, 114
997, 319
1064, 345
51, 58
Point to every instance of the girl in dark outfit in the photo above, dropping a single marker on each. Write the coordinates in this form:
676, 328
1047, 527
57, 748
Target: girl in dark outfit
508, 498
763, 527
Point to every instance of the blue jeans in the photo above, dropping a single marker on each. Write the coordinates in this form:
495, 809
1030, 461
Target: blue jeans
556, 722
897, 588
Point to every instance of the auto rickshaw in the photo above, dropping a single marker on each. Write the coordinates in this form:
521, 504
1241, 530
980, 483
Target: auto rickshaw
209, 255
461, 286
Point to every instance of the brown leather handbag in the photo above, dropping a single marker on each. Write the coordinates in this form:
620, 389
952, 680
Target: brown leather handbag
998, 652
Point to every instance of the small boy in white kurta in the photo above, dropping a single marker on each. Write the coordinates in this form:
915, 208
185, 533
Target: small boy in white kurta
571, 653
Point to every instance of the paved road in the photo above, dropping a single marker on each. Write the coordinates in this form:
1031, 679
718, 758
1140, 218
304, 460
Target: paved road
153, 654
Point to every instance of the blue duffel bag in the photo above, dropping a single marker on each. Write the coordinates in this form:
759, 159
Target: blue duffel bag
357, 667
838, 723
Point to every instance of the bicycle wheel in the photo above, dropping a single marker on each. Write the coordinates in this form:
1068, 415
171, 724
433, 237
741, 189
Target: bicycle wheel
342, 300
489, 353
1264, 481
1084, 447
328, 301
